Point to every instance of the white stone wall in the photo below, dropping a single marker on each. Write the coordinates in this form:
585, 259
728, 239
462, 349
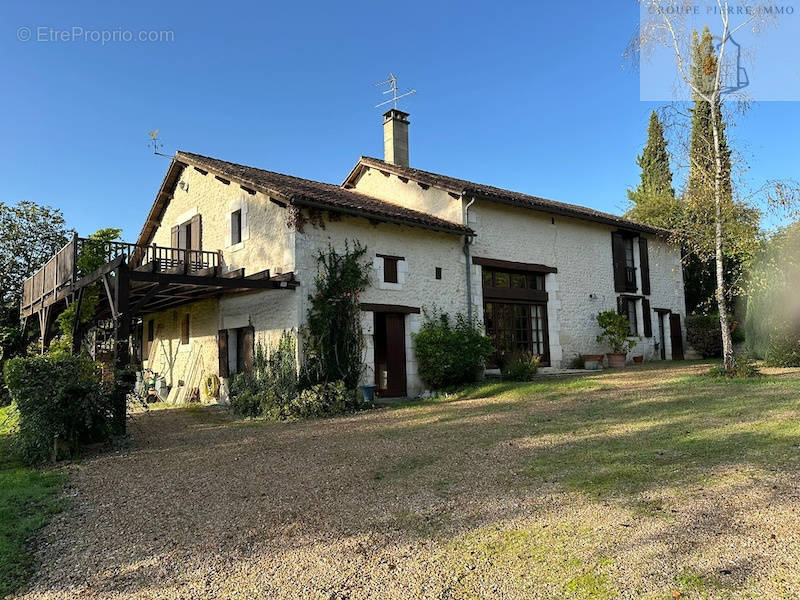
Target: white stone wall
584, 283
187, 363
392, 189
417, 285
267, 241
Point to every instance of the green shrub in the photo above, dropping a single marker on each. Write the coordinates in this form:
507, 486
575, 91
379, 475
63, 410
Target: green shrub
616, 330
322, 400
450, 354
783, 349
744, 367
704, 335
273, 390
62, 403
273, 384
521, 367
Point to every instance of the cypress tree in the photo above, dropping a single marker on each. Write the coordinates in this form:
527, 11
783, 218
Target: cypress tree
653, 201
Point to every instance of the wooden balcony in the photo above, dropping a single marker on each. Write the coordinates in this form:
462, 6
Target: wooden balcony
63, 274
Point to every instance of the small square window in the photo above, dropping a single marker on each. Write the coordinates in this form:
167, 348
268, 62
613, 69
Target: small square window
236, 227
185, 329
438, 272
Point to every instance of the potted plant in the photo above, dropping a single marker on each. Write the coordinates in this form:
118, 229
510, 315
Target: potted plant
615, 333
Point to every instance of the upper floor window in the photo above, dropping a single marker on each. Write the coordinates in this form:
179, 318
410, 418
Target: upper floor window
236, 226
630, 265
188, 235
185, 235
623, 261
390, 267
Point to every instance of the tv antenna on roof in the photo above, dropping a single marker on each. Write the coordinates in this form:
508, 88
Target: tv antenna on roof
392, 83
155, 143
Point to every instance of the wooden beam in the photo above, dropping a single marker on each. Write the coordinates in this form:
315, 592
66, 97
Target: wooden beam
222, 282
76, 324
260, 275
235, 274
153, 291
394, 308
512, 266
111, 300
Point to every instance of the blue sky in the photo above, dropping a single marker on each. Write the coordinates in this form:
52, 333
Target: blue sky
529, 96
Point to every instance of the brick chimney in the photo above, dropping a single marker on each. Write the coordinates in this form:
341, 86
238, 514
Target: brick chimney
395, 137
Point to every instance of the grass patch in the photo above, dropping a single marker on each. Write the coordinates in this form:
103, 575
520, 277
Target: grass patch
528, 561
28, 499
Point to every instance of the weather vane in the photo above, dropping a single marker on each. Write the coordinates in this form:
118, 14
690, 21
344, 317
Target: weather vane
155, 143
392, 83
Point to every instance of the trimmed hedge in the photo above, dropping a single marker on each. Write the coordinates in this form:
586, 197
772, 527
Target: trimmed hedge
62, 403
704, 335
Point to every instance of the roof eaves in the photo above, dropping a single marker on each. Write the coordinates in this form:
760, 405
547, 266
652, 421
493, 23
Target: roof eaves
299, 200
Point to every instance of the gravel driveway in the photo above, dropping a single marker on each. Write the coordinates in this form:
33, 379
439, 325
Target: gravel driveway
432, 501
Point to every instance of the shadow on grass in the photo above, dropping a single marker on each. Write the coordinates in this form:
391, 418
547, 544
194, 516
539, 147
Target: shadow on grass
464, 473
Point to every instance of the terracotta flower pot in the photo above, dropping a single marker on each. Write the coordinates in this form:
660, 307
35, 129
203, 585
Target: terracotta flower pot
616, 360
638, 359
592, 362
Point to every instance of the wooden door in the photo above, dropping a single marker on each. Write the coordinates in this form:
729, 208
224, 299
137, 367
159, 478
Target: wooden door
390, 354
676, 336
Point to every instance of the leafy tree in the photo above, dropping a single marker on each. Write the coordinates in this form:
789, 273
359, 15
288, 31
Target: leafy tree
653, 201
30, 234
716, 227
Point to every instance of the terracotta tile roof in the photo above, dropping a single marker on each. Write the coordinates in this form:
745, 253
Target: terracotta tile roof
470, 188
315, 194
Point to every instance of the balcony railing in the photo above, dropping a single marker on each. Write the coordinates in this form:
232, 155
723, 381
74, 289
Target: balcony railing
159, 259
630, 279
67, 267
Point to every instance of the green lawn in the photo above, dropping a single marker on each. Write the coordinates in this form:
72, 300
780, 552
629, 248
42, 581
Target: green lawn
650, 482
28, 499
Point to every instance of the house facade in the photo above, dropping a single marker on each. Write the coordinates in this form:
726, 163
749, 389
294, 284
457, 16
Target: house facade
535, 272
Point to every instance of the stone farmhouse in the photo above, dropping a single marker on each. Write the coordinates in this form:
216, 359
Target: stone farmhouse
535, 272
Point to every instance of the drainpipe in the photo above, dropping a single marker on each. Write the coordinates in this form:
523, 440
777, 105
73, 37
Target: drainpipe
467, 243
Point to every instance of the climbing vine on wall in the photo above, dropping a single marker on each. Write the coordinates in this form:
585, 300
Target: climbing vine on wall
334, 341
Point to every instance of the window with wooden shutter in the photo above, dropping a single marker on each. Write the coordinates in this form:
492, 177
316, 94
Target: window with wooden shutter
222, 352
618, 258
627, 308
185, 329
196, 228
174, 237
644, 266
390, 267
245, 348
647, 319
